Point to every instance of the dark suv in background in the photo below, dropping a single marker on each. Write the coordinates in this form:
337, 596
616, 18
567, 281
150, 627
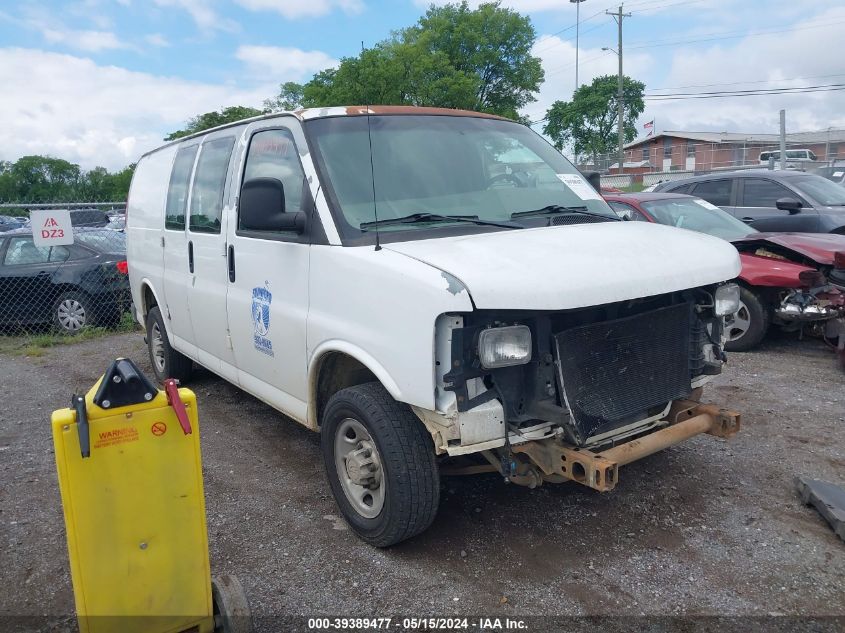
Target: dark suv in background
771, 200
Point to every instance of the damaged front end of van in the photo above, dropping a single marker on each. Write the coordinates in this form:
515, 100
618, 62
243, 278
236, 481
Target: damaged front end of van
552, 396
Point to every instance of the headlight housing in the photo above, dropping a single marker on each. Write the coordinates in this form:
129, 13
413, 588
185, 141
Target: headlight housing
504, 346
726, 299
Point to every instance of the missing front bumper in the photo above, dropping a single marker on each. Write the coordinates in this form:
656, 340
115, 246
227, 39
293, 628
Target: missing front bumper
600, 469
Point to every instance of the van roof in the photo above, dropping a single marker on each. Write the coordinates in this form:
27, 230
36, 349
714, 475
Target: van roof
307, 114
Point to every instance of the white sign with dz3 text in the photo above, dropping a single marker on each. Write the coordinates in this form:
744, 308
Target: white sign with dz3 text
51, 227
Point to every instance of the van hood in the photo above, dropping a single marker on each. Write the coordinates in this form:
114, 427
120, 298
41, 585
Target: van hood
575, 266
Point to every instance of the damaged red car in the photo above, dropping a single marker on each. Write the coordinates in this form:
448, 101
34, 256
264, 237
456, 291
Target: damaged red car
792, 280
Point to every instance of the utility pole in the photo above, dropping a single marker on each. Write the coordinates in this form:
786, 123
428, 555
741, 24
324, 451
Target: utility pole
577, 4
620, 98
577, 30
783, 139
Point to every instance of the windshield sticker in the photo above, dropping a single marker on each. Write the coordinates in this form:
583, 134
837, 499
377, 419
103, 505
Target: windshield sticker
579, 186
261, 301
705, 204
837, 174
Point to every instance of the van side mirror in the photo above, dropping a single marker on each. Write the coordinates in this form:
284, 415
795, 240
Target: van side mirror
261, 207
793, 205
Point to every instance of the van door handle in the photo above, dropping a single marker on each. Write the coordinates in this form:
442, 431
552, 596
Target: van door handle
232, 263
190, 256
748, 220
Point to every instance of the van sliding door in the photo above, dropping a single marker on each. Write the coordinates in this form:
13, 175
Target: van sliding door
175, 242
207, 219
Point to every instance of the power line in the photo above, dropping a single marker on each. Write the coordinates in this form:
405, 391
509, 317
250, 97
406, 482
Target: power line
666, 6
763, 92
785, 89
754, 94
758, 81
728, 36
569, 39
568, 28
745, 93
555, 71
543, 38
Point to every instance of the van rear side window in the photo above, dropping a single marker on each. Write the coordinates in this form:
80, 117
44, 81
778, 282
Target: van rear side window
209, 182
177, 190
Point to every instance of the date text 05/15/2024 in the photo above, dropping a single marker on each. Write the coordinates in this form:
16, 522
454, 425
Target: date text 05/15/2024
417, 624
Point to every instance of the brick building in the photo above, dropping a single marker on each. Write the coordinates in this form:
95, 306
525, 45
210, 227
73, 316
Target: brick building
704, 151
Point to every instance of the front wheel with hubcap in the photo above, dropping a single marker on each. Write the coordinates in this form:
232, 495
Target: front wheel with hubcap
380, 463
166, 361
746, 328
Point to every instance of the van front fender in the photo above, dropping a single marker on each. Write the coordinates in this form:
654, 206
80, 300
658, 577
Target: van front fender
336, 346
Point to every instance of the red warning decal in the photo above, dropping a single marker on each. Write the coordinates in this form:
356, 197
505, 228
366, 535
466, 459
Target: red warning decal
159, 428
116, 436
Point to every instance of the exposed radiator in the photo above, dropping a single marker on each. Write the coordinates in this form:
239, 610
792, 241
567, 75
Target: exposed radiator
613, 372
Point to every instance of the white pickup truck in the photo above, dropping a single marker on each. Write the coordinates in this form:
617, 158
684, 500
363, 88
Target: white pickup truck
425, 286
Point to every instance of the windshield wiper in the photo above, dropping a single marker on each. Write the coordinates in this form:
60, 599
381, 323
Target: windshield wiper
436, 217
553, 209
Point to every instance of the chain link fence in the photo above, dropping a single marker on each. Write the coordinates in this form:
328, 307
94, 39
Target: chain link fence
57, 285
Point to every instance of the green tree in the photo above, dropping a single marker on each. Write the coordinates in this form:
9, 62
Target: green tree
33, 179
392, 73
590, 120
119, 185
491, 44
454, 57
44, 178
100, 185
213, 119
289, 98
96, 184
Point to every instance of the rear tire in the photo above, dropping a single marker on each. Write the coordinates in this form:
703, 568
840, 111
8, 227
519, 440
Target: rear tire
380, 463
747, 328
166, 361
73, 311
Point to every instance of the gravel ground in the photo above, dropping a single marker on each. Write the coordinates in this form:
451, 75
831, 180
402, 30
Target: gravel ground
710, 527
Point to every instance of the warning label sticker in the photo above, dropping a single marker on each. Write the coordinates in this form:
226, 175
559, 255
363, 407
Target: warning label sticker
158, 428
116, 436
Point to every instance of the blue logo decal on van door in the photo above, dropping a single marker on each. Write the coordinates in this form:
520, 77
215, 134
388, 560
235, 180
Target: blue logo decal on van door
261, 300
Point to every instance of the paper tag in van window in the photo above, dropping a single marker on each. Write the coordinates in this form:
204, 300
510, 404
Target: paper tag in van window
579, 186
705, 204
838, 174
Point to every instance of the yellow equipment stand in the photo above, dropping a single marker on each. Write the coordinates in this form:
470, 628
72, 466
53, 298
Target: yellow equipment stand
134, 509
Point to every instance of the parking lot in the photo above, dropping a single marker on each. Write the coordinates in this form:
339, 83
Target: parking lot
706, 528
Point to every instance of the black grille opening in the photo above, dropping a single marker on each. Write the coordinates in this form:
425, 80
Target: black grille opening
578, 218
613, 372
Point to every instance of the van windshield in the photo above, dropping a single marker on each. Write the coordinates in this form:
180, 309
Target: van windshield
444, 166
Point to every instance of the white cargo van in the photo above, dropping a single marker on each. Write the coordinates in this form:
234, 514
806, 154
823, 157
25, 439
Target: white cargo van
423, 285
793, 156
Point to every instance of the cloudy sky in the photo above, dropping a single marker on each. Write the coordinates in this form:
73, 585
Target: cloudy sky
99, 82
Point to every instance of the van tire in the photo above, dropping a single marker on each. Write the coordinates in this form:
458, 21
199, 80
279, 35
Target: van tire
405, 456
166, 361
756, 314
